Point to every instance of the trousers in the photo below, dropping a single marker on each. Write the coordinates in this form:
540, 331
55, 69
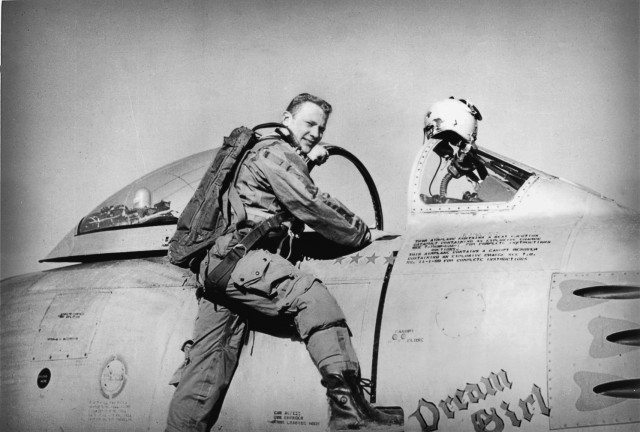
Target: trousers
265, 285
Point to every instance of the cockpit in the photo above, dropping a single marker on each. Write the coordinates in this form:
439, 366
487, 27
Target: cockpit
455, 175
155, 199
129, 210
451, 177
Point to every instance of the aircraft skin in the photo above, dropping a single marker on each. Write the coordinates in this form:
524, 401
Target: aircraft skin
516, 312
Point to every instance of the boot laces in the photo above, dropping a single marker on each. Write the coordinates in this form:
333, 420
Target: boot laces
366, 385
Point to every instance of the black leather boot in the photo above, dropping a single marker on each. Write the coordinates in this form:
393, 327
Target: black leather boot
349, 410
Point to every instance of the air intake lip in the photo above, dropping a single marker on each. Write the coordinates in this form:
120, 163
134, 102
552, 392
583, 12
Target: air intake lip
626, 337
629, 389
610, 292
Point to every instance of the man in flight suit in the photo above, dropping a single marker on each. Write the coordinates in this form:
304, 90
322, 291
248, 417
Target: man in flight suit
273, 178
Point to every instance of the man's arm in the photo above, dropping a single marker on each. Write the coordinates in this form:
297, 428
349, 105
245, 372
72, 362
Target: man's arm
300, 196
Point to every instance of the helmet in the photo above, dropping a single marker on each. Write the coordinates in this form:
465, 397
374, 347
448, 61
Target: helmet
454, 115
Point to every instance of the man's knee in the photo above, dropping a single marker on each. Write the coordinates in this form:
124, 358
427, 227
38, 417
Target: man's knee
314, 306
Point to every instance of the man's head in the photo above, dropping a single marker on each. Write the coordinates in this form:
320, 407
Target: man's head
306, 117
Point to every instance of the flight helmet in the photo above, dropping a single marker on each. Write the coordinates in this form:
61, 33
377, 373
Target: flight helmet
452, 115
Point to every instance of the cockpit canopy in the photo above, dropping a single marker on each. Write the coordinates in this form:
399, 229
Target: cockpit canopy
155, 199
152, 204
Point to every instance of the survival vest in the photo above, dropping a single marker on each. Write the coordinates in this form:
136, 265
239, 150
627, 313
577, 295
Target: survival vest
206, 217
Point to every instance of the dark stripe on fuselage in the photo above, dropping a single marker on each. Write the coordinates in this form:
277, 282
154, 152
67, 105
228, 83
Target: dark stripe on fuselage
376, 336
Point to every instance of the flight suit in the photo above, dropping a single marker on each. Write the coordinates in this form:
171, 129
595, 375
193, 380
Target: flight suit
272, 178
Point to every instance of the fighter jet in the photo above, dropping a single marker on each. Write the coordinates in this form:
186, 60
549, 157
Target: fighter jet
510, 302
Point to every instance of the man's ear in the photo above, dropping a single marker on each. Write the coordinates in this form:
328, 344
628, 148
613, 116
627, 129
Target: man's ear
286, 118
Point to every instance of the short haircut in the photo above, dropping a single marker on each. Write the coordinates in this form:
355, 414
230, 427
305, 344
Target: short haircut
297, 102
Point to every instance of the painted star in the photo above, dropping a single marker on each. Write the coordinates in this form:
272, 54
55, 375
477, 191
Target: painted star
356, 258
390, 259
372, 258
339, 260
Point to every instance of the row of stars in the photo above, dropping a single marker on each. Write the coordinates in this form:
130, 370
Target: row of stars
369, 259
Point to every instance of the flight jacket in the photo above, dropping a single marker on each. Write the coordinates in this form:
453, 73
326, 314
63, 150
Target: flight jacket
273, 178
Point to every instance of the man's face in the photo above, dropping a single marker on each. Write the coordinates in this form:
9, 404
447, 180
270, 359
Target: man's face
307, 125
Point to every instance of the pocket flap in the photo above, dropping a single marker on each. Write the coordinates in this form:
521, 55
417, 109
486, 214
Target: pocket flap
251, 268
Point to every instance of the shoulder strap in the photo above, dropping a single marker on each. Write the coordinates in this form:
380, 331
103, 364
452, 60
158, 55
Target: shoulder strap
234, 197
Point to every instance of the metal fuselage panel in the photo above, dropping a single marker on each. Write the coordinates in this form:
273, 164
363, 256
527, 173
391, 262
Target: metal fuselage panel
92, 347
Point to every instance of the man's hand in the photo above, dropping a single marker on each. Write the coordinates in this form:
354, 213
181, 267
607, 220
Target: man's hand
377, 234
318, 155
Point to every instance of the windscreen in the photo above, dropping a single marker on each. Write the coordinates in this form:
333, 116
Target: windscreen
341, 179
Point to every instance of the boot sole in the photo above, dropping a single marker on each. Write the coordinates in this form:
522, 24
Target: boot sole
371, 428
377, 429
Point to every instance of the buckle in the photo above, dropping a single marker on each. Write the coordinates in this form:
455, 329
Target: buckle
238, 246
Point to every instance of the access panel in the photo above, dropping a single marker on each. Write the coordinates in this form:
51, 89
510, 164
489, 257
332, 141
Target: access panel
593, 349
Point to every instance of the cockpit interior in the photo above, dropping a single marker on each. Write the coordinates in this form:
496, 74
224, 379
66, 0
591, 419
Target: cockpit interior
464, 174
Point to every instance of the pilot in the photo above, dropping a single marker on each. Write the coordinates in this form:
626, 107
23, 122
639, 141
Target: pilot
272, 178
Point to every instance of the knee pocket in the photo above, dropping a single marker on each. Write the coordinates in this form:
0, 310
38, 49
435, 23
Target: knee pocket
261, 271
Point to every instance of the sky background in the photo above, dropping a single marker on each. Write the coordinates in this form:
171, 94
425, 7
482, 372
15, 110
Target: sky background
97, 93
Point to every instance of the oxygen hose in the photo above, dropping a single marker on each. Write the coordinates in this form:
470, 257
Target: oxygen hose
444, 184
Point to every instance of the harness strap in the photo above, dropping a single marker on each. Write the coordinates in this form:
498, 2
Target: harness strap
218, 277
234, 198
